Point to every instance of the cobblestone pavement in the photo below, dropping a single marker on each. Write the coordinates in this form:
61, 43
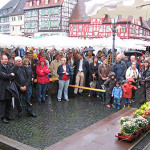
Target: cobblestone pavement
57, 120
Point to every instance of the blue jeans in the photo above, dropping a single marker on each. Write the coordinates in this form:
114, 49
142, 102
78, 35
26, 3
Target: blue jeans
63, 85
42, 91
127, 102
30, 92
117, 101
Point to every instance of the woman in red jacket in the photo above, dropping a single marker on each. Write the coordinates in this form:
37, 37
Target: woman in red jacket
127, 91
42, 72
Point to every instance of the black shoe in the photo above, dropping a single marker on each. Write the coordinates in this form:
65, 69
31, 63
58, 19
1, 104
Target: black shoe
81, 94
5, 120
43, 101
31, 115
19, 114
39, 102
10, 118
74, 95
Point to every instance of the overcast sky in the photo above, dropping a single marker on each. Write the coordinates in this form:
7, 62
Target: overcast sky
3, 2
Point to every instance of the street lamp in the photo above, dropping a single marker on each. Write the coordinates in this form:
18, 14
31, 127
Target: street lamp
114, 22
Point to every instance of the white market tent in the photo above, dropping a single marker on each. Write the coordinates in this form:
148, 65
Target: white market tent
60, 42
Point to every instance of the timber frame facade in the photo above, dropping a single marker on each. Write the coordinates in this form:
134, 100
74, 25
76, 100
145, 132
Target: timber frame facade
99, 28
47, 16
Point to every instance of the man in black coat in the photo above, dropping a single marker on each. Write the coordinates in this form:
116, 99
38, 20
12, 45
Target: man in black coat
6, 76
22, 81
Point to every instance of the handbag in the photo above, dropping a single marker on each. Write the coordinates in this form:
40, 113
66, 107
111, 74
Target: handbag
93, 85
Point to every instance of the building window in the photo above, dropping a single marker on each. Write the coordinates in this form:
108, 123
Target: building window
13, 28
31, 25
20, 28
123, 29
55, 24
56, 1
38, 2
80, 28
144, 32
46, 1
107, 28
19, 18
43, 12
31, 3
132, 30
74, 28
90, 28
6, 28
45, 24
101, 28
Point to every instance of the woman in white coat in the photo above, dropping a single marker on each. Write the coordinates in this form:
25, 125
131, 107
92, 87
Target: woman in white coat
132, 72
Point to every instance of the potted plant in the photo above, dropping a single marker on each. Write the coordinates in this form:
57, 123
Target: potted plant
132, 127
141, 122
129, 129
139, 112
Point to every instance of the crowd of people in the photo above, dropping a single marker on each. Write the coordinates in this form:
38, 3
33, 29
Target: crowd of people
21, 68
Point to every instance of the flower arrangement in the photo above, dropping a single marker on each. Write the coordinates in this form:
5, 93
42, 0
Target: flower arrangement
145, 106
129, 127
124, 119
133, 126
142, 122
138, 112
143, 110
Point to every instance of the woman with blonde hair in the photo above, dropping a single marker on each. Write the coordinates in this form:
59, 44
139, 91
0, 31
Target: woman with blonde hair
26, 62
64, 72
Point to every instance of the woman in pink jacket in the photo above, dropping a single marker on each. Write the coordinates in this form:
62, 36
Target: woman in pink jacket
42, 72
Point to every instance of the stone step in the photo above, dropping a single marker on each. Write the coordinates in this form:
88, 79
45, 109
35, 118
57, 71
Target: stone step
100, 135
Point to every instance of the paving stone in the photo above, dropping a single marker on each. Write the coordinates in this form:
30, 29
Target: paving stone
57, 120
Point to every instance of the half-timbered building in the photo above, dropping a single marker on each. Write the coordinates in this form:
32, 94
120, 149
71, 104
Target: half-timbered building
82, 26
48, 17
5, 13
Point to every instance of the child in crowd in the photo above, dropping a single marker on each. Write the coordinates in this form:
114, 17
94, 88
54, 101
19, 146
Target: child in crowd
117, 94
127, 92
109, 84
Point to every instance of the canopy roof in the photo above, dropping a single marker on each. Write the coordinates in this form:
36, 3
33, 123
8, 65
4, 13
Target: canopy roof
60, 42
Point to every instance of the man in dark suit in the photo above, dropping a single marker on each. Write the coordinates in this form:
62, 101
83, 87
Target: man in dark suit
6, 76
82, 67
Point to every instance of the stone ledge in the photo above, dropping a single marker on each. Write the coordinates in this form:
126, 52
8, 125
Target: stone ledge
9, 144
